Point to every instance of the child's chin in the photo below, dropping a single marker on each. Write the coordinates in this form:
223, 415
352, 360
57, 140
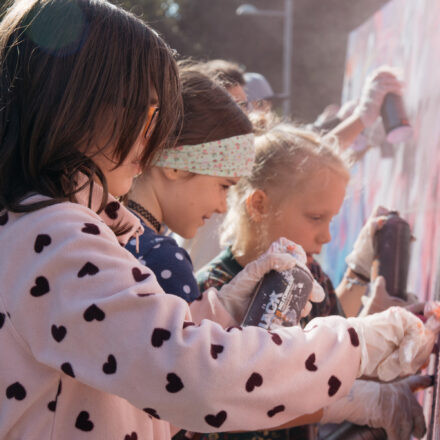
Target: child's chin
187, 233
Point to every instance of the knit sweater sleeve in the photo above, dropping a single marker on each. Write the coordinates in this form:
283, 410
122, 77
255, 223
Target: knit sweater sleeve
83, 305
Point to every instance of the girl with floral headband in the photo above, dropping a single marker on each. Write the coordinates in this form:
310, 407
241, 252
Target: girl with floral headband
91, 347
189, 183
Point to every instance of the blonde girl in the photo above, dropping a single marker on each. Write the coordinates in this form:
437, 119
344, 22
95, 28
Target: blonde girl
296, 187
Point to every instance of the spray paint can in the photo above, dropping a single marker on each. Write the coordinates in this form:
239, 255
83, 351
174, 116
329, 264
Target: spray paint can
392, 254
394, 118
279, 299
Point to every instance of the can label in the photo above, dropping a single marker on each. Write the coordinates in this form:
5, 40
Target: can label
279, 299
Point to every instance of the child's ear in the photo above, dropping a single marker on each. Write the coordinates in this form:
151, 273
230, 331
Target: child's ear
257, 205
173, 174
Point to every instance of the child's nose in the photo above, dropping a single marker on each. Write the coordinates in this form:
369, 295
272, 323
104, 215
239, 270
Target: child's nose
325, 235
222, 206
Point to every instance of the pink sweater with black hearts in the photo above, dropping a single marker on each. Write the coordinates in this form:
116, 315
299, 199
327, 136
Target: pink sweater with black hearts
92, 348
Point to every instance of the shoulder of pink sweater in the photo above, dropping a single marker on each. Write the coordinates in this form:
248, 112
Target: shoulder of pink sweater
60, 216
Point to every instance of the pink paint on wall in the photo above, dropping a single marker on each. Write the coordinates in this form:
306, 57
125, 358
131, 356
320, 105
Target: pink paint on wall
405, 34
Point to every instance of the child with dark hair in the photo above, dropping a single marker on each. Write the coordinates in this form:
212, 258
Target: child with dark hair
91, 346
183, 194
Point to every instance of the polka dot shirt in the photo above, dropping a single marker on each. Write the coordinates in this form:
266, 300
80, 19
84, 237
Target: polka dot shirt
170, 263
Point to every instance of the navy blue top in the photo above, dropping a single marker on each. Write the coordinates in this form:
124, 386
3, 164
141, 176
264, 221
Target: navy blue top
170, 263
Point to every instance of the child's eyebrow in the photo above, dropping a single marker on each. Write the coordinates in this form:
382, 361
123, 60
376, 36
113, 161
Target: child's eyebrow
231, 181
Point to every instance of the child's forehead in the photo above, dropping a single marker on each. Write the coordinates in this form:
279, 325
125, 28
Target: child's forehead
325, 178
319, 189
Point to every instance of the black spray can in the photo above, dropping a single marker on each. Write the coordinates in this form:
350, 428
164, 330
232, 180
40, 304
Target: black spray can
279, 299
394, 118
392, 254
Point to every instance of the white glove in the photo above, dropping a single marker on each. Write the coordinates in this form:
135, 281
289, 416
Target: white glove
380, 82
393, 343
362, 255
392, 407
432, 314
379, 300
282, 255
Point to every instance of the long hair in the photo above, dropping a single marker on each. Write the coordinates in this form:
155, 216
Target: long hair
73, 71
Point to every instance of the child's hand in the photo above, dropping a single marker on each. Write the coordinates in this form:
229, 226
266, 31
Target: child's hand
362, 255
379, 83
394, 343
392, 407
282, 255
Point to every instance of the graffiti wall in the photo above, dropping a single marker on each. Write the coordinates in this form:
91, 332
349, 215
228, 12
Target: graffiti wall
405, 176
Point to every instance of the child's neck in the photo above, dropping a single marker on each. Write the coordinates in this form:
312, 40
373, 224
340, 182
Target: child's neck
144, 195
247, 248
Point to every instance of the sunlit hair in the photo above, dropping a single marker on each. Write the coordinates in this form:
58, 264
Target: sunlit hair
227, 73
73, 72
286, 156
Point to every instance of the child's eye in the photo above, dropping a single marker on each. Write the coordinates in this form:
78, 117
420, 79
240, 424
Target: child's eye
315, 217
226, 187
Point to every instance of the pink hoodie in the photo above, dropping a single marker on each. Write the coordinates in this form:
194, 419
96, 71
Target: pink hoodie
91, 347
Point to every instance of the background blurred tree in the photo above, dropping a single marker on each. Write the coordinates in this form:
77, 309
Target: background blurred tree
206, 29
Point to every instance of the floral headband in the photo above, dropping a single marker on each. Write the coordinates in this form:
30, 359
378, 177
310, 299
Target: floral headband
231, 157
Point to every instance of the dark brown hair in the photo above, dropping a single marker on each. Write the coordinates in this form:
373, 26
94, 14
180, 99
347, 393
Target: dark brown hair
70, 71
210, 113
226, 73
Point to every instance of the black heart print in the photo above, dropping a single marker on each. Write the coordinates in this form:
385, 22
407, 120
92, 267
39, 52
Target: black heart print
216, 420
58, 333
276, 410
16, 391
174, 384
276, 338
41, 241
255, 380
159, 336
354, 338
310, 363
90, 228
83, 421
94, 312
88, 269
67, 369
333, 385
138, 275
216, 350
112, 210
152, 412
110, 366
41, 287
52, 405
